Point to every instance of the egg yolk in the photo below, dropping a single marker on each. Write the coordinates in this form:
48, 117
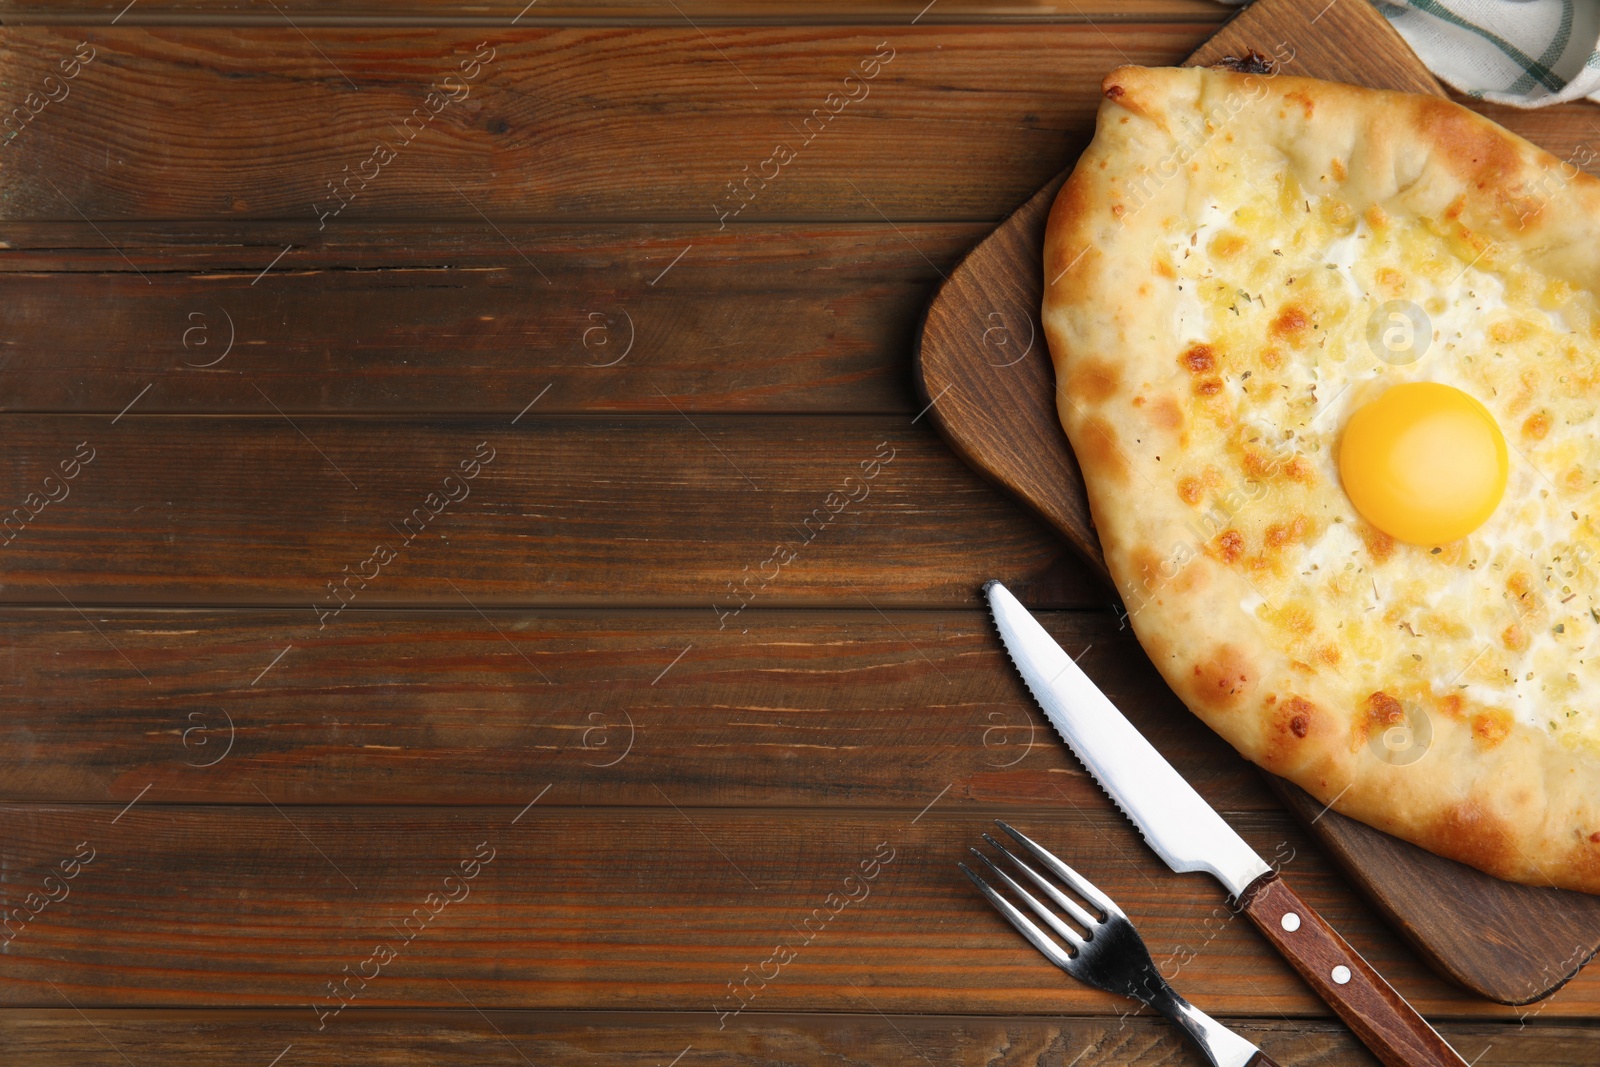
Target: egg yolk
1425, 463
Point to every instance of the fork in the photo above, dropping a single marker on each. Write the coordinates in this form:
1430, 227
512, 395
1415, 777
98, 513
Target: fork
1109, 955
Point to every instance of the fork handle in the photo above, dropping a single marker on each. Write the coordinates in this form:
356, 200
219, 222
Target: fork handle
1378, 1015
1219, 1044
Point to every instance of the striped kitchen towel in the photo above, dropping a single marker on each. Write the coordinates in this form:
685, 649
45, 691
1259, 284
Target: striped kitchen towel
1525, 53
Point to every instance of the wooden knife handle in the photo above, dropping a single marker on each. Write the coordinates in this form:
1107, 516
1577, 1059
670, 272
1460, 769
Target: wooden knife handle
1378, 1015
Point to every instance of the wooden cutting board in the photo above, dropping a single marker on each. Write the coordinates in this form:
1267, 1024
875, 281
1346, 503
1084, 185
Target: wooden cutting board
982, 364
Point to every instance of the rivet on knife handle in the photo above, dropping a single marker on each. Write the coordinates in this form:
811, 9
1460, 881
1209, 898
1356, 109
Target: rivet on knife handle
1383, 1020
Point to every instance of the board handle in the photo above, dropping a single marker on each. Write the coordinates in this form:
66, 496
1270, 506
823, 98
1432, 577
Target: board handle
1378, 1015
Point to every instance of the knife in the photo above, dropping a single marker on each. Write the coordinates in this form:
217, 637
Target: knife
1190, 836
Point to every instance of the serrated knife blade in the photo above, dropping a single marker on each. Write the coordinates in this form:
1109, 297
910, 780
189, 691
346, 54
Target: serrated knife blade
1186, 833
1182, 828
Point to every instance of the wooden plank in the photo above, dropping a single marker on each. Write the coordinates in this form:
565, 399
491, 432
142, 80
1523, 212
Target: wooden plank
563, 122
786, 709
646, 909
47, 1037
840, 253
432, 318
666, 511
501, 13
559, 124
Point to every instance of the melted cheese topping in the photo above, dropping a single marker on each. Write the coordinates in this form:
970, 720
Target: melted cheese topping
1283, 300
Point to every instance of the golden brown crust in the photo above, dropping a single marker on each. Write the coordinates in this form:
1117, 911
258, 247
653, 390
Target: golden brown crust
1491, 790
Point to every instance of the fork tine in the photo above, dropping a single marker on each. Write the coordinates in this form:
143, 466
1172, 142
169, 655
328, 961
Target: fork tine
1064, 902
1081, 885
1066, 933
1023, 924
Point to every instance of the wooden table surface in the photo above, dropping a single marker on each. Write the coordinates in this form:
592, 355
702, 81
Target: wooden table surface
478, 587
